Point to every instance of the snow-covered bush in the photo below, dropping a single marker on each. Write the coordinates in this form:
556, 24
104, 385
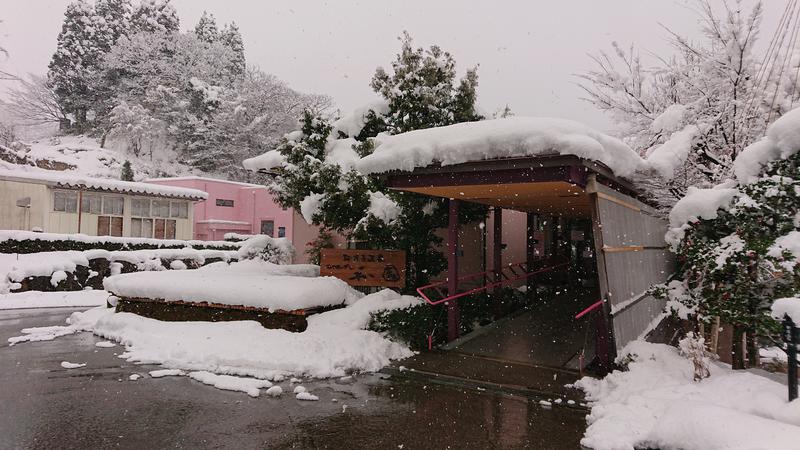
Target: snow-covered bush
693, 347
736, 244
266, 248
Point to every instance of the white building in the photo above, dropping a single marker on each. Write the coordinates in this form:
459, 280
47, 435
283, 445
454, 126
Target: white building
63, 203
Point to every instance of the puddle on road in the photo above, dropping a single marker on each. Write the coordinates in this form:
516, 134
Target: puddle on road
412, 414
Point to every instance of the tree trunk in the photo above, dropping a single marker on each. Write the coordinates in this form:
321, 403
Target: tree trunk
753, 358
737, 348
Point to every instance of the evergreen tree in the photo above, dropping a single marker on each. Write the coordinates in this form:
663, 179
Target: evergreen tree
113, 20
420, 92
206, 29
75, 62
127, 171
231, 38
154, 15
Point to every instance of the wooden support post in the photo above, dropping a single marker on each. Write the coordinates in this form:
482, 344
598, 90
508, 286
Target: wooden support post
530, 246
452, 270
497, 258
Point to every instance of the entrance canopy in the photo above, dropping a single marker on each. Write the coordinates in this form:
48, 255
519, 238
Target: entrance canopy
528, 164
548, 167
548, 185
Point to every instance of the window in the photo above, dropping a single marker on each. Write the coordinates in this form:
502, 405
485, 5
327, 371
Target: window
113, 205
90, 203
281, 232
164, 229
65, 201
160, 208
109, 226
268, 227
179, 210
142, 228
140, 207
225, 203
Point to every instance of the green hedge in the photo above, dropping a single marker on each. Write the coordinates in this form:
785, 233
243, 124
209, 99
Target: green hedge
412, 325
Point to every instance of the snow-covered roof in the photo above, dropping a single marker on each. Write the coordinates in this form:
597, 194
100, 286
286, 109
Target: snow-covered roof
204, 179
500, 138
61, 179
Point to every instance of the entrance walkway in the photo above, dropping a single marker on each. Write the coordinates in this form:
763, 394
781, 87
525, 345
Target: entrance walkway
533, 353
545, 334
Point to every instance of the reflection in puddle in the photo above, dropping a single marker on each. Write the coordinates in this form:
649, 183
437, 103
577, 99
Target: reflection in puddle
411, 414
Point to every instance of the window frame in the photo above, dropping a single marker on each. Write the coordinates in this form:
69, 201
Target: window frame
107, 198
68, 196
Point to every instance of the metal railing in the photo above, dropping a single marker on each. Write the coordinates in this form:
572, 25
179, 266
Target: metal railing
507, 275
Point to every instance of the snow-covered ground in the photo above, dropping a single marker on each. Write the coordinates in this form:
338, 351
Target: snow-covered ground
35, 299
655, 404
335, 343
83, 156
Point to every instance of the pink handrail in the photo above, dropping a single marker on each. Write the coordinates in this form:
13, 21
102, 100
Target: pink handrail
485, 286
591, 308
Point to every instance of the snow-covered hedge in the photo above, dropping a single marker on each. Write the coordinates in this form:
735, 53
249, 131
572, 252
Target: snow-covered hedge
32, 242
76, 270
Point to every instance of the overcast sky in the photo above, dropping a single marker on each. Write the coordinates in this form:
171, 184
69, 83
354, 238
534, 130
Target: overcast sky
528, 51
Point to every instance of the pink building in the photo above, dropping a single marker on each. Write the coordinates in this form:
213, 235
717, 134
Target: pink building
242, 208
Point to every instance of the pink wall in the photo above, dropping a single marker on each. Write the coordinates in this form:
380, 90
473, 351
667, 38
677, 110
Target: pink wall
252, 204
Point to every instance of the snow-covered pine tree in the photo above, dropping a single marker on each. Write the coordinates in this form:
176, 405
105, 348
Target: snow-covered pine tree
206, 29
231, 38
112, 19
75, 62
127, 171
420, 92
154, 15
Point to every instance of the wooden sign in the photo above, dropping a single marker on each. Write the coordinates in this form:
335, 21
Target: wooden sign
386, 268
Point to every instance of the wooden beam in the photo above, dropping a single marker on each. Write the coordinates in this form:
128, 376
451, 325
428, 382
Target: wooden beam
628, 248
452, 269
613, 199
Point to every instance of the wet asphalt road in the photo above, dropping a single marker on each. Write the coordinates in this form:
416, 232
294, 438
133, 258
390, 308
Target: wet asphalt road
45, 406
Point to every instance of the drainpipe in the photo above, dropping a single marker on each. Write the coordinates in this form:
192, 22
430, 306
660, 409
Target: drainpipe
253, 223
80, 209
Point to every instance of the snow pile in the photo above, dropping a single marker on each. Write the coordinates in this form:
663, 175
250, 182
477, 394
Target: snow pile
789, 243
266, 161
787, 307
382, 207
781, 141
248, 283
671, 155
70, 180
69, 365
499, 138
655, 404
352, 124
341, 153
58, 264
267, 248
35, 299
310, 206
697, 204
334, 344
250, 386
669, 120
